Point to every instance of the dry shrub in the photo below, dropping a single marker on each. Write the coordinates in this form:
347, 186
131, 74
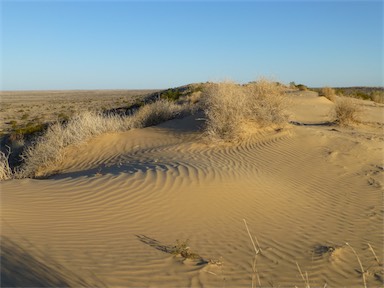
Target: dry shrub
267, 102
346, 111
5, 169
47, 150
195, 97
378, 97
158, 112
328, 93
233, 110
44, 154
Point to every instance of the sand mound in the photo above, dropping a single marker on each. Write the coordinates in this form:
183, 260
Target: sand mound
122, 200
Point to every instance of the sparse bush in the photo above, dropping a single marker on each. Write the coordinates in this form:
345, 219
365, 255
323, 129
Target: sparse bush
346, 111
233, 110
328, 93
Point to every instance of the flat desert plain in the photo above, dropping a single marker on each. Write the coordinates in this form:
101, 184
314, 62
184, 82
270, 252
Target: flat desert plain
164, 207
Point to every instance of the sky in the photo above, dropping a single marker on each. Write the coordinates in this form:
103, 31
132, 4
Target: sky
53, 45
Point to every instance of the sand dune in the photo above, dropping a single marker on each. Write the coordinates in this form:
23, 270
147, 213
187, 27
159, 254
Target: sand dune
121, 199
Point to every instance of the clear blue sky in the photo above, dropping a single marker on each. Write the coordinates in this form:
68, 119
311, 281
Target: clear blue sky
132, 44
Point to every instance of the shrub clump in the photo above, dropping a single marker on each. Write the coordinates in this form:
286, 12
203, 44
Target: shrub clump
233, 111
378, 97
158, 112
346, 111
41, 157
328, 93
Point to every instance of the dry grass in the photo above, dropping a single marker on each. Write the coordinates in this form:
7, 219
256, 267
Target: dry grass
328, 93
158, 112
378, 97
41, 158
232, 110
48, 149
5, 170
346, 111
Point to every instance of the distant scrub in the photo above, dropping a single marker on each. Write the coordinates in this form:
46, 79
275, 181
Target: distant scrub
171, 94
375, 94
233, 111
302, 87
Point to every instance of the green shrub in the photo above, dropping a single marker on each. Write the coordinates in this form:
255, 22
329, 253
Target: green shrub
30, 128
171, 95
302, 87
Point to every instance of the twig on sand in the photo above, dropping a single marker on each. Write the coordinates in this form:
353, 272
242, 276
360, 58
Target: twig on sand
257, 251
250, 237
374, 254
305, 279
361, 265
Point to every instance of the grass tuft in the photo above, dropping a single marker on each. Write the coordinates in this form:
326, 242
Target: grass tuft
5, 169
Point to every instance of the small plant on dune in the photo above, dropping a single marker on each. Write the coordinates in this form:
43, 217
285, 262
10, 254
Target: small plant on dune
346, 111
232, 110
328, 93
182, 248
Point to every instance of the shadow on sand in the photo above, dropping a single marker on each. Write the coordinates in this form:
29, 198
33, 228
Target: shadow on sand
21, 268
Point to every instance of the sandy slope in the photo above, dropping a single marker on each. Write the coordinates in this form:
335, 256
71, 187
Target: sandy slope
121, 199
